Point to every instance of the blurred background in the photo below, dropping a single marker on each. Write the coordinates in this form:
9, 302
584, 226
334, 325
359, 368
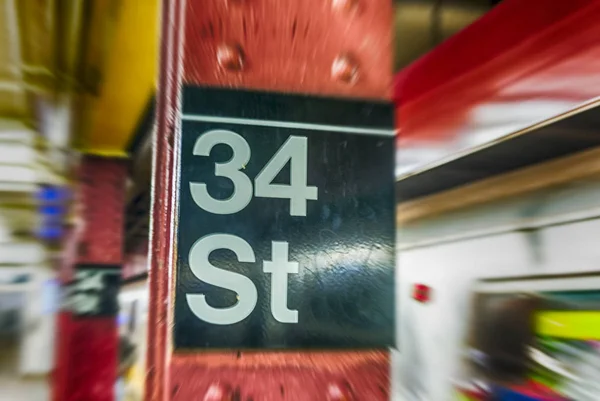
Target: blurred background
497, 184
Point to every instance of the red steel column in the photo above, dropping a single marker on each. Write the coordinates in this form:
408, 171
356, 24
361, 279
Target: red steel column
87, 355
324, 47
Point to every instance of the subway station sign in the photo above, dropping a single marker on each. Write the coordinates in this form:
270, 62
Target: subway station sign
285, 228
92, 291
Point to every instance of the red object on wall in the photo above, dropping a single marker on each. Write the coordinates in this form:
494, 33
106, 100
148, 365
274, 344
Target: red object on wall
87, 348
326, 47
421, 293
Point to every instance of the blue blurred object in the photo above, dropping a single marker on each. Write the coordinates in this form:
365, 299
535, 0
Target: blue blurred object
50, 296
122, 319
52, 210
506, 394
50, 232
51, 194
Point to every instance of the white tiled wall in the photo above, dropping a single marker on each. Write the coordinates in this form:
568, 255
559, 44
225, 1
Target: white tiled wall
431, 335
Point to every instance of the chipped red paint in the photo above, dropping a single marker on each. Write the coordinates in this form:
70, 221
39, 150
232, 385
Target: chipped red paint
290, 46
92, 365
331, 382
160, 245
87, 348
327, 47
102, 191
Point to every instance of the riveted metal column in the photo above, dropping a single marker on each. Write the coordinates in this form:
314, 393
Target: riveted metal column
87, 330
338, 48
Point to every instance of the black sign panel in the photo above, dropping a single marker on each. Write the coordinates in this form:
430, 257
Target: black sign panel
285, 226
93, 291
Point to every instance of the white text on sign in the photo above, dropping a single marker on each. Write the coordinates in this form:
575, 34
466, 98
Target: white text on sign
294, 151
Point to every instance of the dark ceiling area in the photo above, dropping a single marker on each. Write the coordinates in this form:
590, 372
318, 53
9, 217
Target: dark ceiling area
420, 25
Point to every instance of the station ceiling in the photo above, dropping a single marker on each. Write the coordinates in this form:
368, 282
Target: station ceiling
96, 56
102, 55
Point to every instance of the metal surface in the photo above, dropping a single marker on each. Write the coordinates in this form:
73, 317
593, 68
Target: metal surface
323, 273
418, 26
286, 46
289, 43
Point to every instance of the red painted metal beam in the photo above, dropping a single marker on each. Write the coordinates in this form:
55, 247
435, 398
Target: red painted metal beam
531, 54
328, 47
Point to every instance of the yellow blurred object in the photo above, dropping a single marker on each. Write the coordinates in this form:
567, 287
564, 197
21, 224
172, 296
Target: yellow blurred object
577, 325
129, 80
134, 383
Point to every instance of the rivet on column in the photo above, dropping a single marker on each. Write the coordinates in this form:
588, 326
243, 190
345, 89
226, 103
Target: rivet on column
346, 5
339, 392
230, 57
218, 392
345, 68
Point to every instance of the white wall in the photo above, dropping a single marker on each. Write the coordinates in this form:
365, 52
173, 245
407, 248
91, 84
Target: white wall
27, 357
451, 252
13, 387
38, 318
